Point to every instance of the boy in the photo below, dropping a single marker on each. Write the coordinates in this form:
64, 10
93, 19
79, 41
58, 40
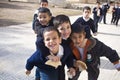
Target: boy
112, 4
97, 13
62, 23
43, 20
117, 13
43, 3
105, 8
87, 22
89, 51
52, 40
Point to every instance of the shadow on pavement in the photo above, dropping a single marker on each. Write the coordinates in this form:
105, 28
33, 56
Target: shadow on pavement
13, 6
109, 34
7, 22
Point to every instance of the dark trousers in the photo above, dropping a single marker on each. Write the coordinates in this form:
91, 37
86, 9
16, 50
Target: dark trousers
93, 73
37, 74
96, 20
113, 18
117, 20
103, 17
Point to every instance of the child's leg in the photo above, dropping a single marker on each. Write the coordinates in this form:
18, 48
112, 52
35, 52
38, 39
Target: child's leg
93, 73
37, 74
48, 75
117, 20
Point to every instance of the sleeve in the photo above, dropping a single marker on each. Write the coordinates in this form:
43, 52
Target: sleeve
104, 50
33, 22
35, 60
94, 10
41, 46
77, 21
30, 62
70, 58
92, 26
101, 12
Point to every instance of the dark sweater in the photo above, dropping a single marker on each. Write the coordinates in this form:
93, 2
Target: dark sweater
89, 25
37, 59
93, 51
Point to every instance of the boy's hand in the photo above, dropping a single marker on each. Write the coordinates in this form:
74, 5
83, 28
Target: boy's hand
117, 66
35, 32
72, 71
54, 58
80, 65
95, 34
28, 72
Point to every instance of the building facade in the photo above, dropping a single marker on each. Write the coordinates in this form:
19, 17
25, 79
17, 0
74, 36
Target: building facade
65, 1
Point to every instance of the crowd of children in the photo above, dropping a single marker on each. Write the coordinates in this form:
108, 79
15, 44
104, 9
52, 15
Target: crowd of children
60, 43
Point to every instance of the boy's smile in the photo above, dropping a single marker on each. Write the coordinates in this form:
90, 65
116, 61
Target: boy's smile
65, 30
44, 18
52, 41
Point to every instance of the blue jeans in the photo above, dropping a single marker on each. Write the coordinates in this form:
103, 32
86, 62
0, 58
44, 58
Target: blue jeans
37, 74
48, 75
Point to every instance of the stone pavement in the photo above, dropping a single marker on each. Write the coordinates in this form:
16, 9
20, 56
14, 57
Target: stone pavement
18, 43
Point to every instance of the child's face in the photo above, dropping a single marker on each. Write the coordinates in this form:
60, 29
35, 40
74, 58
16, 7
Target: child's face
44, 4
78, 39
52, 41
86, 13
44, 18
98, 5
65, 30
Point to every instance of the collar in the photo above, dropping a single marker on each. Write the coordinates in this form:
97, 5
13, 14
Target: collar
86, 19
60, 52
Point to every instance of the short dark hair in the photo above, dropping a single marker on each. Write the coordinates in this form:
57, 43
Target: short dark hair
43, 1
51, 28
78, 28
44, 10
111, 2
86, 8
98, 2
60, 19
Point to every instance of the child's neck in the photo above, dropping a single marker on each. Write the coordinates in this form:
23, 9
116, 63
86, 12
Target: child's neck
84, 43
86, 18
54, 53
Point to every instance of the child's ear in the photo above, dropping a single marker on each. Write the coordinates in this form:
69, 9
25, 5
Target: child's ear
38, 18
84, 34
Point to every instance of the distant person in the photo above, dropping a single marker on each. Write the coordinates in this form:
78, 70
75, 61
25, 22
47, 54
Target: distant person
87, 22
105, 8
42, 3
89, 51
57, 54
43, 20
117, 13
112, 4
97, 13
